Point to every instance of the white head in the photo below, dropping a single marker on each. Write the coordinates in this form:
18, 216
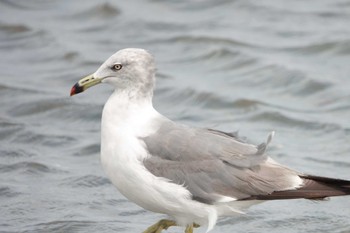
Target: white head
129, 70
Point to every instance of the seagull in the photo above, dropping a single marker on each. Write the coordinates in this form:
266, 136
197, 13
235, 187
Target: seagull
193, 175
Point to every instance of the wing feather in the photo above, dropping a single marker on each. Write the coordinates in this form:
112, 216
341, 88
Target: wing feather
213, 165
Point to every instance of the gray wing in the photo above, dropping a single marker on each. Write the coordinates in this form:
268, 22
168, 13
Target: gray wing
213, 164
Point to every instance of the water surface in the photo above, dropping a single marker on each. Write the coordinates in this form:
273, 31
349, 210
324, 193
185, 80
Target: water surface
252, 66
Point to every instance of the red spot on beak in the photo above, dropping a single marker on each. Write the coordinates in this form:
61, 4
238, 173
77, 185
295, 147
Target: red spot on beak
72, 91
76, 89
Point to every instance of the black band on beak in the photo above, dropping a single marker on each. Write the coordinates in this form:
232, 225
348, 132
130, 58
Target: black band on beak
76, 89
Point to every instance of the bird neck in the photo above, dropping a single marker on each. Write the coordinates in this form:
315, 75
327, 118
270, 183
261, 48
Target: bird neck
126, 109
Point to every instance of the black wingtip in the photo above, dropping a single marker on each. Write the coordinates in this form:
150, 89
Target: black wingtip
314, 188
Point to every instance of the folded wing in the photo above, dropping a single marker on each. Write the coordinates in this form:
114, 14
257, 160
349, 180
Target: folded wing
215, 166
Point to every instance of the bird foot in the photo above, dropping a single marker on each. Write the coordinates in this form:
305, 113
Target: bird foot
189, 228
163, 224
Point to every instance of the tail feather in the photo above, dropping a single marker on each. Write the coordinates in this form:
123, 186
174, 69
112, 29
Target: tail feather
314, 187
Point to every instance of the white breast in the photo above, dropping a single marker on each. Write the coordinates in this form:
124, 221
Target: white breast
122, 155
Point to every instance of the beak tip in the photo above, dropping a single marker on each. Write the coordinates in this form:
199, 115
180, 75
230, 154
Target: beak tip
76, 89
72, 91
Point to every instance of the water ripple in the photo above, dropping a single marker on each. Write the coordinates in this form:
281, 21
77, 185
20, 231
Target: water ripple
341, 47
7, 129
186, 39
16, 153
327, 162
91, 149
13, 28
47, 140
88, 181
17, 41
37, 107
28, 168
287, 120
103, 11
25, 5
8, 192
279, 78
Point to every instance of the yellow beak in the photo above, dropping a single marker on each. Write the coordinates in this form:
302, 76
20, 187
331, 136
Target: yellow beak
84, 84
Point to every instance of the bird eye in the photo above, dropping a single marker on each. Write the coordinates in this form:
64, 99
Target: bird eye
116, 67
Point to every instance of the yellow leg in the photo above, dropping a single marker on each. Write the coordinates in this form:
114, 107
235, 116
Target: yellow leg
189, 228
163, 224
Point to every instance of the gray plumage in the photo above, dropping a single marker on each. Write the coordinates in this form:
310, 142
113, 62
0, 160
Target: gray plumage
212, 164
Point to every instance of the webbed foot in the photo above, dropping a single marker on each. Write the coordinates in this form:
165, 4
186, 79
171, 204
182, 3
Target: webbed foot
163, 224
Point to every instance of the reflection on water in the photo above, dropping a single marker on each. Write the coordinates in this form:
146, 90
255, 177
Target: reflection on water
252, 66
